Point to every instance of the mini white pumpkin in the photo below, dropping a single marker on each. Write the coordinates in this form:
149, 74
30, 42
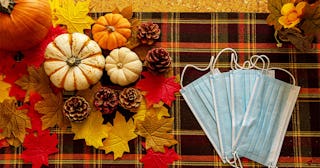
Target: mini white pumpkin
123, 66
74, 61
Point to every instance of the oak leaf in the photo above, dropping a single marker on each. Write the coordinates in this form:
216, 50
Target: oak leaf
156, 132
13, 121
52, 109
158, 88
121, 132
92, 130
74, 15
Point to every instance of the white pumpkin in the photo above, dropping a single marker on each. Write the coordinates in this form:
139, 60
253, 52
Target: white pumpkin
123, 66
74, 62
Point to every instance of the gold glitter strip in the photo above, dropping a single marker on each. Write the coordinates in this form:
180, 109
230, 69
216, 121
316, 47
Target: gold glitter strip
252, 6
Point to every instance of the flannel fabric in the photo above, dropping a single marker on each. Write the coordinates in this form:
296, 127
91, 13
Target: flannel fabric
191, 38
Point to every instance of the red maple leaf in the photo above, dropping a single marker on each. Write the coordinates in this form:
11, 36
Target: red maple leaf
35, 117
17, 92
158, 88
159, 160
35, 55
38, 148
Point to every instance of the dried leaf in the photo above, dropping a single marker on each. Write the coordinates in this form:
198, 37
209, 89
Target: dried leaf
156, 132
4, 90
127, 12
52, 109
37, 81
92, 130
274, 7
142, 50
13, 121
311, 25
74, 15
121, 132
296, 38
116, 10
142, 111
133, 40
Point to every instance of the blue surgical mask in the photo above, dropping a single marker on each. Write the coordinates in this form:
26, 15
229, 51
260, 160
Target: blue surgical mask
266, 119
198, 107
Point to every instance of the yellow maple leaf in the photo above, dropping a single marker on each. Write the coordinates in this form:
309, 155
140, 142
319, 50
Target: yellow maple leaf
142, 111
4, 90
37, 81
73, 15
13, 122
156, 132
52, 109
121, 132
92, 130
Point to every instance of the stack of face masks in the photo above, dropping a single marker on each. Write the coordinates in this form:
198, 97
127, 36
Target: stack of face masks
244, 112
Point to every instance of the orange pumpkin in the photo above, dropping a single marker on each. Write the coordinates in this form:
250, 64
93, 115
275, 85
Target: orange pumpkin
23, 23
111, 31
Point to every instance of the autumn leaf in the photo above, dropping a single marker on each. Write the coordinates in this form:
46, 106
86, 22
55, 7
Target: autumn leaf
52, 109
13, 122
274, 7
158, 88
125, 12
142, 111
39, 147
121, 132
3, 141
4, 90
159, 160
37, 81
92, 130
156, 132
89, 94
311, 25
74, 15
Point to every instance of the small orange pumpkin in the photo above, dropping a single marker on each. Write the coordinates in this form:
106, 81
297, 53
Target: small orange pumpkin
23, 23
111, 31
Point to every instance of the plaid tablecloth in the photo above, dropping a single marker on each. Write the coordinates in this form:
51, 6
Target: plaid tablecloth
191, 38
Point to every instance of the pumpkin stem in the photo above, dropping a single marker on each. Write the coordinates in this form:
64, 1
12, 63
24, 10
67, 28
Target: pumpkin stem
119, 65
6, 6
111, 29
73, 61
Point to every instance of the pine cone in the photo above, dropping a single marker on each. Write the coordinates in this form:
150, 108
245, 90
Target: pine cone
130, 99
106, 100
76, 109
158, 60
148, 33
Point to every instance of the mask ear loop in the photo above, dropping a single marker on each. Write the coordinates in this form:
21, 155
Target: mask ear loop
234, 59
195, 67
286, 71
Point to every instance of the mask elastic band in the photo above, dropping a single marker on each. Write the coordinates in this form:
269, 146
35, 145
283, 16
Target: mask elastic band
234, 59
237, 159
286, 71
195, 67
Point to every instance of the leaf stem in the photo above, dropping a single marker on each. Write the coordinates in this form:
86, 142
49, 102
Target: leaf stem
279, 44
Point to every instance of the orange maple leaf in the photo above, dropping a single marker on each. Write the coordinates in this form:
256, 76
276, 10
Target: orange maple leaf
156, 132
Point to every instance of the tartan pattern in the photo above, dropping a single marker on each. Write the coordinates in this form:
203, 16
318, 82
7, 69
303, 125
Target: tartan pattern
191, 38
